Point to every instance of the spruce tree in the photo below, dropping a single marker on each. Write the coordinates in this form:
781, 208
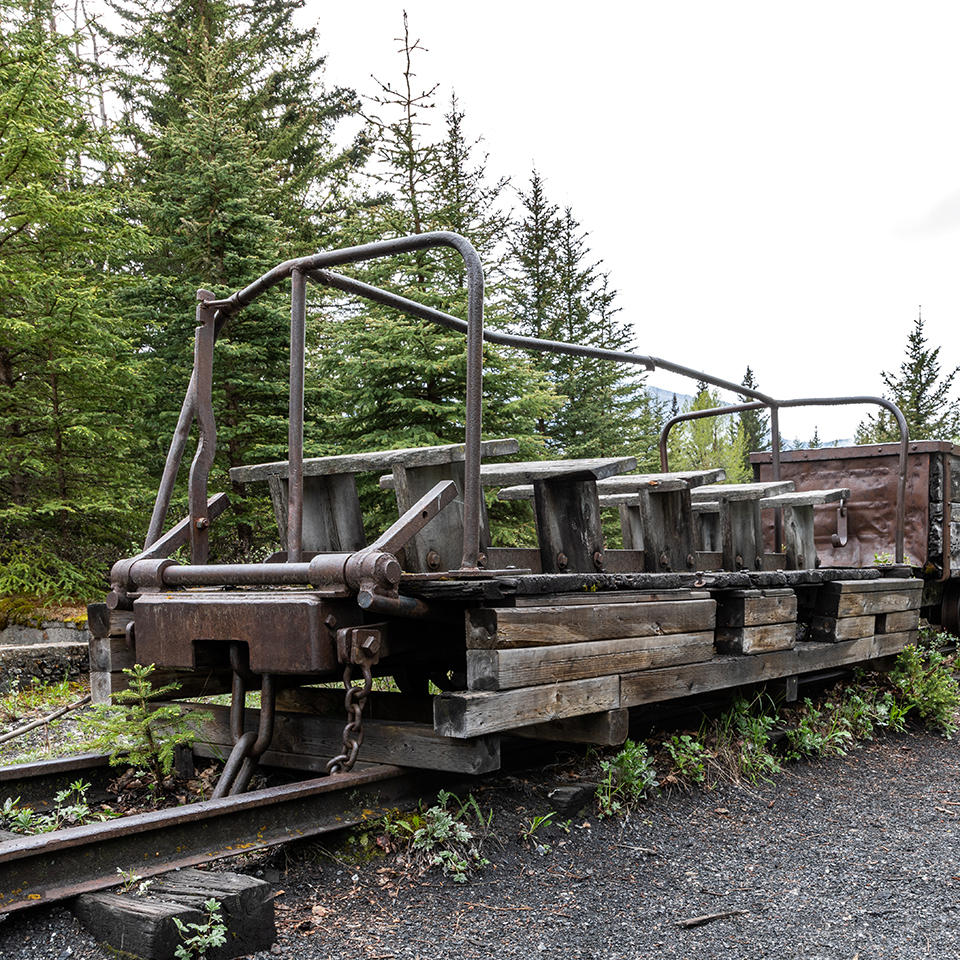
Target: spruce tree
558, 294
709, 442
234, 170
755, 423
920, 393
392, 380
69, 459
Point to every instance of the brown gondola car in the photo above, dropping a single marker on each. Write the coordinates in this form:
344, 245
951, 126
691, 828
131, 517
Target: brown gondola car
861, 531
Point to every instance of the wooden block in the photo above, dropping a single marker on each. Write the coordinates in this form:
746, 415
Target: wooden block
473, 714
530, 666
898, 622
763, 638
381, 704
726, 672
305, 742
104, 622
142, 926
607, 729
857, 598
110, 656
750, 608
504, 627
833, 630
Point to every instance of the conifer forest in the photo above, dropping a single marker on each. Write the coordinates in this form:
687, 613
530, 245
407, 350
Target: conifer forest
176, 145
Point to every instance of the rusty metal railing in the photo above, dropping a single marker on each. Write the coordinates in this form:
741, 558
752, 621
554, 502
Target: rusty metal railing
213, 314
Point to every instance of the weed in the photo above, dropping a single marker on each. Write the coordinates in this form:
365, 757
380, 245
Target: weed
628, 778
690, 758
529, 828
71, 810
927, 686
133, 883
133, 732
441, 835
742, 739
198, 938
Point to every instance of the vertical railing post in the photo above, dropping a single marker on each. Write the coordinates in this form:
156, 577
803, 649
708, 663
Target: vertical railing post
298, 327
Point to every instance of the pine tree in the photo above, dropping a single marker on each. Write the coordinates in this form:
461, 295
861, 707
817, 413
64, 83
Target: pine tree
754, 423
235, 170
69, 460
557, 294
397, 381
920, 393
709, 442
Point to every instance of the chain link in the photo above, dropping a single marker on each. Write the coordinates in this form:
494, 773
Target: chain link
355, 700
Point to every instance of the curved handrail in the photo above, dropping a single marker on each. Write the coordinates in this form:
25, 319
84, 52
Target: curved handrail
213, 314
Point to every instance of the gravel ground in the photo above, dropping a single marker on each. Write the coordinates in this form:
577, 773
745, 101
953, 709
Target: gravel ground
852, 858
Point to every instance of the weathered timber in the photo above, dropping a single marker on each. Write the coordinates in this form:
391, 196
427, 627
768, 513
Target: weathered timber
652, 686
898, 622
381, 704
762, 638
569, 531
750, 608
740, 491
110, 656
607, 729
143, 925
305, 742
376, 461
476, 714
510, 474
503, 627
832, 630
843, 599
104, 622
619, 596
505, 669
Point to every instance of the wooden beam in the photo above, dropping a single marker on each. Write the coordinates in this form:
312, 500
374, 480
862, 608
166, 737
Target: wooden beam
652, 686
607, 729
470, 714
531, 666
305, 742
504, 627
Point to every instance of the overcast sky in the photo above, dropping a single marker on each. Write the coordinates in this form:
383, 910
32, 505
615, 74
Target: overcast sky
768, 184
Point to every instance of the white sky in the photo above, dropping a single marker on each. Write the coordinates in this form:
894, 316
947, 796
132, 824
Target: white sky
767, 183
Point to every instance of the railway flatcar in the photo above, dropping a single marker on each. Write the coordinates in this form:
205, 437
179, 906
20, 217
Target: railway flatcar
478, 641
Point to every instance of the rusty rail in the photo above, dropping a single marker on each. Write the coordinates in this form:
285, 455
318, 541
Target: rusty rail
46, 867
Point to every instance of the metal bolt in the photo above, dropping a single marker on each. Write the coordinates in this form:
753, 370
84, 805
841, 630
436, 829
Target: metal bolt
433, 560
370, 645
691, 561
738, 562
331, 621
201, 523
562, 561
481, 559
664, 560
598, 560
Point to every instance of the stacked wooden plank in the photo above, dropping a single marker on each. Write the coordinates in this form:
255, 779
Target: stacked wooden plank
756, 621
853, 609
561, 656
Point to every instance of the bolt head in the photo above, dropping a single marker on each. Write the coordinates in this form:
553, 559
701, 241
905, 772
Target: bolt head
562, 561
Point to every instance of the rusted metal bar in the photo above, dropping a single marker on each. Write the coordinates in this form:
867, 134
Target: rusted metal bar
207, 444
298, 333
52, 866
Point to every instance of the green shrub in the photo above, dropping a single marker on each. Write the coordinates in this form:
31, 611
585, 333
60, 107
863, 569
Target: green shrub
627, 780
690, 758
130, 731
927, 686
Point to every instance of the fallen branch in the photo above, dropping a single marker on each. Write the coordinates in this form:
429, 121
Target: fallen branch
708, 918
13, 734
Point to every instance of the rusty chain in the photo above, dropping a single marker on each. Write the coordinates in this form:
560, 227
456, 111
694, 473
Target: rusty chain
354, 701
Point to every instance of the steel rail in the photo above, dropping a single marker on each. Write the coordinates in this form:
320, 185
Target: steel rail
47, 867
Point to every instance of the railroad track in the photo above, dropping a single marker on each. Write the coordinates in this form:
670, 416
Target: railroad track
42, 868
